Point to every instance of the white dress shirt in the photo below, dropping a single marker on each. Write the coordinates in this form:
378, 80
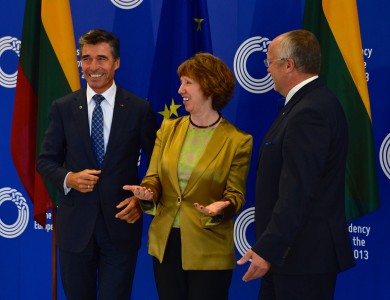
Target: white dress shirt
108, 111
107, 107
297, 87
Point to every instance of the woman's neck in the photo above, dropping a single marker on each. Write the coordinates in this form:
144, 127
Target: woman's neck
205, 120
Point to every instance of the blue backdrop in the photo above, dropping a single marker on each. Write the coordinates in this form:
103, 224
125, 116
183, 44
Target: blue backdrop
235, 27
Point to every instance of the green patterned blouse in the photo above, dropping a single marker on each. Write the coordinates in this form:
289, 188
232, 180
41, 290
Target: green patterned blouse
193, 147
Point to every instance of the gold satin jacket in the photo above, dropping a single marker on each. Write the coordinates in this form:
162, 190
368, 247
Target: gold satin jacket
220, 174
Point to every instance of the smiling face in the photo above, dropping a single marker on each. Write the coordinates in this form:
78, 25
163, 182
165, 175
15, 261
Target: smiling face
194, 99
276, 67
98, 65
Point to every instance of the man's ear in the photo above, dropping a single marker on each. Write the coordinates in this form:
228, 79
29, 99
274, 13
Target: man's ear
117, 63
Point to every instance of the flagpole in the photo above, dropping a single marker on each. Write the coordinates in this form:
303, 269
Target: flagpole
54, 254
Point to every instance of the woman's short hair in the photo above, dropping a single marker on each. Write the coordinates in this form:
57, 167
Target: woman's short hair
213, 75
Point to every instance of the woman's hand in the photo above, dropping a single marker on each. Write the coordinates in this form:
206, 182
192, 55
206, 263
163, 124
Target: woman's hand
140, 192
130, 210
212, 209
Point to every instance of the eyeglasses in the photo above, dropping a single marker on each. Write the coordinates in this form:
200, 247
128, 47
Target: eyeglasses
267, 62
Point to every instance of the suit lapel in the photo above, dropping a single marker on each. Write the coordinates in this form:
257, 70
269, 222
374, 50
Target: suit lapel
287, 109
175, 145
80, 113
121, 108
290, 105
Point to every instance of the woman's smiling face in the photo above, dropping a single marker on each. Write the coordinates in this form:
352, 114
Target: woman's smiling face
193, 96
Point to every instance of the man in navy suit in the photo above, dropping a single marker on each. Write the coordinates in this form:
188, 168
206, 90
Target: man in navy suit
98, 223
302, 240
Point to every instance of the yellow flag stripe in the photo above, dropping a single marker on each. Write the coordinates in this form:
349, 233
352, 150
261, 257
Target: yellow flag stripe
57, 22
342, 17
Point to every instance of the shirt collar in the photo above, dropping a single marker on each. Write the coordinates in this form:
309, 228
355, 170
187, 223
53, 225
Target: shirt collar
298, 86
109, 94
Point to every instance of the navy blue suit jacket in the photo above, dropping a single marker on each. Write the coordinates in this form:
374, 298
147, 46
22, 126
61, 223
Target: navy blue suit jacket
67, 147
300, 206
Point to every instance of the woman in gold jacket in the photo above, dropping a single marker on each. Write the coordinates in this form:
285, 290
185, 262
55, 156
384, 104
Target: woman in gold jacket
195, 185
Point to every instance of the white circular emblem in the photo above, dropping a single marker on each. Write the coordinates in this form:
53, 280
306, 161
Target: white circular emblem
8, 43
17, 228
384, 156
126, 4
253, 85
243, 220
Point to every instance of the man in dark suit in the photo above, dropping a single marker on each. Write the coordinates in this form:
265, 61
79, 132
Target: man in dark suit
302, 240
98, 223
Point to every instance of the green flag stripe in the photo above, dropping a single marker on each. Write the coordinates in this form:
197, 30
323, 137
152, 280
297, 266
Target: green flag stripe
361, 179
30, 43
52, 83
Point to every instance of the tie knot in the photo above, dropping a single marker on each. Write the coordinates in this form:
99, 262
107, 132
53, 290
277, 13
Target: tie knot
98, 98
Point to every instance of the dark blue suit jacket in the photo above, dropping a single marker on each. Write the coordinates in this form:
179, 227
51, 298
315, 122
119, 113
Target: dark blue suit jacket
67, 147
300, 206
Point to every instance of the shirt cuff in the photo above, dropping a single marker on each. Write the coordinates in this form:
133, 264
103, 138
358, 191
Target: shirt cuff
66, 189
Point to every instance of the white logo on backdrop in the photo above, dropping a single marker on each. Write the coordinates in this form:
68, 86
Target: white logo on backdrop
384, 156
243, 220
8, 43
18, 227
251, 84
127, 4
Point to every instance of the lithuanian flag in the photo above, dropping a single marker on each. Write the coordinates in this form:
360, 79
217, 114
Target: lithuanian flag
47, 70
336, 25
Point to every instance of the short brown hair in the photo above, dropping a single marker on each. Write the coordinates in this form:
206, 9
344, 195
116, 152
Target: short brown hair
213, 75
97, 36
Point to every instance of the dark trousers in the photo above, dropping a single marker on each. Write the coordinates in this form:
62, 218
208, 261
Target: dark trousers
100, 271
173, 283
298, 287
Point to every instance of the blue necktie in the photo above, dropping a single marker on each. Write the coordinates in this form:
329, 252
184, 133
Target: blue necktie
97, 130
281, 102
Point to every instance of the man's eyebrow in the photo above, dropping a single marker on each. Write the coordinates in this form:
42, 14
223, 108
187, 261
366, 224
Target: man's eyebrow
99, 56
